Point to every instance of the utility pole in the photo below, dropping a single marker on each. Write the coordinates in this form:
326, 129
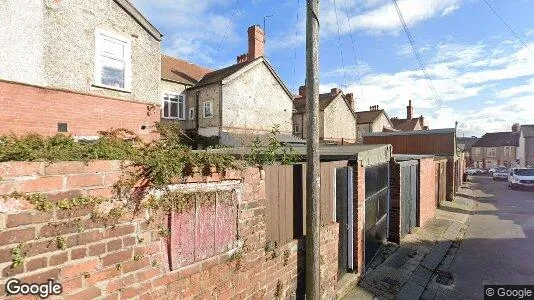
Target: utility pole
313, 180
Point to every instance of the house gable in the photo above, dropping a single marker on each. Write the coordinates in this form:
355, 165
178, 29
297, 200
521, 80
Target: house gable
253, 98
339, 121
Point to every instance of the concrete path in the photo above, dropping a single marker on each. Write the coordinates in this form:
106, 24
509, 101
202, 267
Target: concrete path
409, 271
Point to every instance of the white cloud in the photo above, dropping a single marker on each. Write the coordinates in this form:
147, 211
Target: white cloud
527, 88
193, 29
382, 17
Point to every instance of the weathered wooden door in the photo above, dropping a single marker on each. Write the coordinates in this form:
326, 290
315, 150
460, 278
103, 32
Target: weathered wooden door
409, 199
345, 218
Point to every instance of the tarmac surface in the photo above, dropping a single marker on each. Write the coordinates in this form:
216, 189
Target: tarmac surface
485, 237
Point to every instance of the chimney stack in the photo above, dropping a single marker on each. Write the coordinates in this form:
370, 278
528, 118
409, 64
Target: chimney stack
256, 43
409, 109
335, 91
302, 91
350, 100
516, 127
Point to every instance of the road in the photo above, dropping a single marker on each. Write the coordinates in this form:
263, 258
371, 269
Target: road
498, 247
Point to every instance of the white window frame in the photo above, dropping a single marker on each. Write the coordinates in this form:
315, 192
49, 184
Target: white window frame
204, 109
491, 152
507, 151
478, 151
191, 113
100, 34
296, 128
181, 105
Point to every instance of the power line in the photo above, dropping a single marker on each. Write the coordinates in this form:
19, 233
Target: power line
417, 55
226, 30
509, 27
354, 50
340, 47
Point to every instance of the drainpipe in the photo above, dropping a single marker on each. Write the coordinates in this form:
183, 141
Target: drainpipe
197, 117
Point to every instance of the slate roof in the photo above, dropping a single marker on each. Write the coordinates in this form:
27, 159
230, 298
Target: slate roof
219, 75
497, 139
466, 143
365, 117
528, 130
405, 124
177, 70
299, 103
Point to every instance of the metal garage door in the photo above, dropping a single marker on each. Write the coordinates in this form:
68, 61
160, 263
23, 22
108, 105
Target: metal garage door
376, 209
409, 201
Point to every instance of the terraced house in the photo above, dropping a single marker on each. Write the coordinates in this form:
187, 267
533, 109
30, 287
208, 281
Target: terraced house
496, 149
78, 67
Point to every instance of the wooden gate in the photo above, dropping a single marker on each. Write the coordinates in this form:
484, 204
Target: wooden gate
409, 196
345, 218
285, 191
441, 181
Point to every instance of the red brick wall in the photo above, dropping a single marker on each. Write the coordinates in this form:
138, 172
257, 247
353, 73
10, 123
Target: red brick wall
427, 190
34, 109
359, 220
88, 267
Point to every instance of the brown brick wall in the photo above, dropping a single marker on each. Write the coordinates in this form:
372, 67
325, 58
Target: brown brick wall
427, 190
88, 267
34, 109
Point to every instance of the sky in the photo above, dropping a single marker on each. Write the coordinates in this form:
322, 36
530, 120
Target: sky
481, 75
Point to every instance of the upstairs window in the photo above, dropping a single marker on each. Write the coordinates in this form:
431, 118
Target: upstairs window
491, 152
208, 109
112, 60
173, 106
507, 151
477, 151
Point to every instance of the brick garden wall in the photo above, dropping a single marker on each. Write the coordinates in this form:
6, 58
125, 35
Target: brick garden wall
28, 108
130, 259
427, 190
359, 220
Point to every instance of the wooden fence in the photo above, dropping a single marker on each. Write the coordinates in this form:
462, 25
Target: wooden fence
285, 189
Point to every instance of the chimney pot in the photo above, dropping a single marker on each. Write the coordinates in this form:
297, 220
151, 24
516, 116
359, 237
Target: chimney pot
350, 100
516, 127
335, 91
409, 110
256, 42
302, 91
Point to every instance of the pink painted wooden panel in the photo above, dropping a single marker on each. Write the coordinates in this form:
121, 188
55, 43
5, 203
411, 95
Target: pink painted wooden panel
205, 229
182, 238
226, 222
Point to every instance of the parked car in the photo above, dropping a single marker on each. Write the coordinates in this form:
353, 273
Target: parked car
473, 171
501, 174
521, 177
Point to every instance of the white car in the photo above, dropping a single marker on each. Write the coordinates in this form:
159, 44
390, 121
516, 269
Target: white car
501, 174
521, 177
473, 171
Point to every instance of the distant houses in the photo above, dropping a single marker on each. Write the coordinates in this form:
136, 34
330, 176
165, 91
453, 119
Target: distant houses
337, 119
496, 149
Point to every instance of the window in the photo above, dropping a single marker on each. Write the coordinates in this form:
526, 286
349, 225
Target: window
191, 113
208, 110
173, 106
112, 60
296, 128
477, 151
507, 151
491, 152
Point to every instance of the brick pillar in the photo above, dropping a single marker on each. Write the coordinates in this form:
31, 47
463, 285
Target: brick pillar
359, 219
394, 202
